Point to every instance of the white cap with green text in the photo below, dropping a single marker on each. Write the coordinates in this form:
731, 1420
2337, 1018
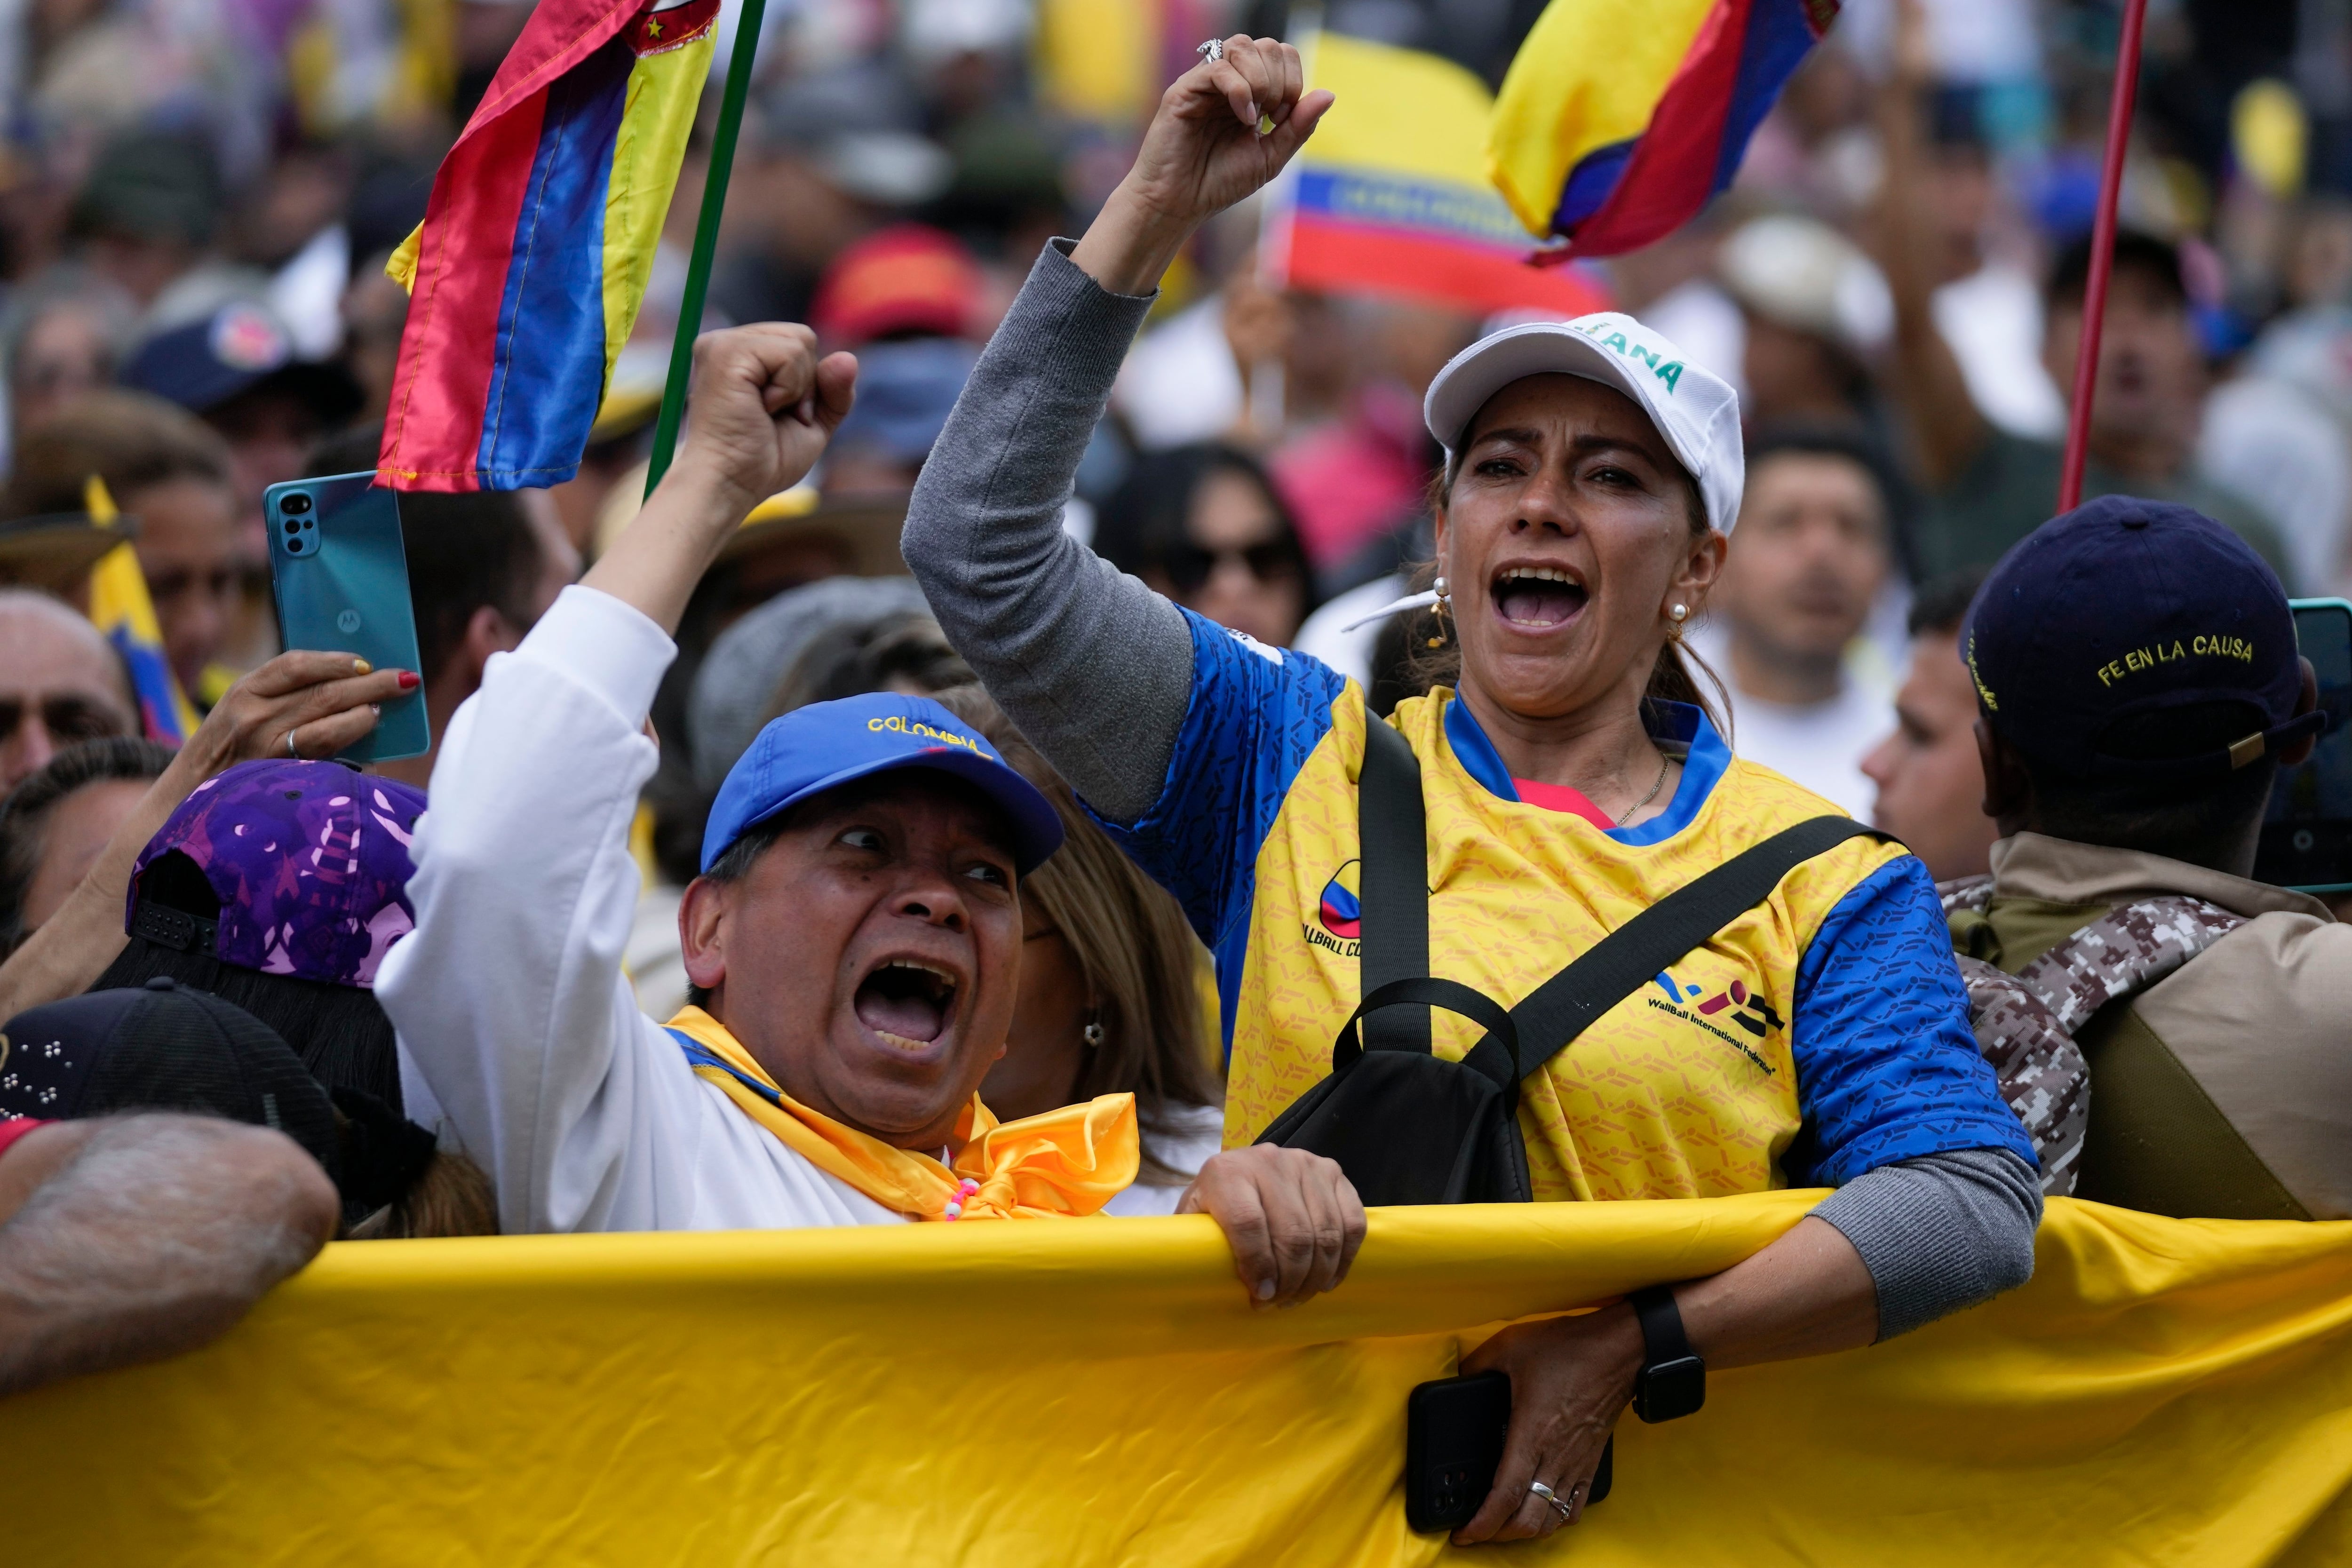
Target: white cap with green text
1695, 409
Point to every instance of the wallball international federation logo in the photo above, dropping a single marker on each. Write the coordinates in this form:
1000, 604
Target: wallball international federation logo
1735, 1004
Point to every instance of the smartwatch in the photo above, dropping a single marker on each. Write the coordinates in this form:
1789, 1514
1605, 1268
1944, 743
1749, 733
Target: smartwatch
1673, 1379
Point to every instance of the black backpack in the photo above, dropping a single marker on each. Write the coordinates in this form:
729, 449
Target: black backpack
1408, 1126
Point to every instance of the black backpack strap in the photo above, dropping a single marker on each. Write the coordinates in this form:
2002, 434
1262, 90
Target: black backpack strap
1495, 1055
1561, 1008
1393, 886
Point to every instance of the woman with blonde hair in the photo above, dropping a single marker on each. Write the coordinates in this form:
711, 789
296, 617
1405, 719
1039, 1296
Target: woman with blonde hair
1564, 789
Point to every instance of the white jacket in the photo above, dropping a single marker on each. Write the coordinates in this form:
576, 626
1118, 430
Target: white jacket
508, 996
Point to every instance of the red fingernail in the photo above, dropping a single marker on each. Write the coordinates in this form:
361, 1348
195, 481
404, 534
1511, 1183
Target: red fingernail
409, 680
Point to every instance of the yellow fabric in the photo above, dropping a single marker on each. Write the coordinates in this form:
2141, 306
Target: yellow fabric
1061, 1163
1588, 76
1632, 1110
401, 264
664, 88
215, 683
1401, 112
428, 71
1099, 59
2165, 1392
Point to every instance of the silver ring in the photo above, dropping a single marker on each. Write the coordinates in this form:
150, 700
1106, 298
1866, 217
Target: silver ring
290, 744
1565, 1505
1212, 51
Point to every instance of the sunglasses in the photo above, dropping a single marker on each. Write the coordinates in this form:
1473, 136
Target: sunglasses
66, 719
1189, 566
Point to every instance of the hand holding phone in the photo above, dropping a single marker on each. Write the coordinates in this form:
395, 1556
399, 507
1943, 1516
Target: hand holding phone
340, 574
1454, 1429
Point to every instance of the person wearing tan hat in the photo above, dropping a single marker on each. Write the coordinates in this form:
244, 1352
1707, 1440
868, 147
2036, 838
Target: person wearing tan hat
1813, 306
171, 475
54, 552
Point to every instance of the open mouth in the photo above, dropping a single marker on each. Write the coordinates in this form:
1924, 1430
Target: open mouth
906, 1002
1538, 596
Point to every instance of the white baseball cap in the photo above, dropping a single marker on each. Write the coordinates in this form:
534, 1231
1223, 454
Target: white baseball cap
1695, 409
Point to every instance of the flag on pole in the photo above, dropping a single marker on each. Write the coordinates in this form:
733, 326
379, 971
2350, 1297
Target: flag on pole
120, 607
1390, 195
526, 274
1619, 118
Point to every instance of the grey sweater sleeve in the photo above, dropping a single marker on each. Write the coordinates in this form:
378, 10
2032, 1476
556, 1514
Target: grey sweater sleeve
1940, 1231
1095, 668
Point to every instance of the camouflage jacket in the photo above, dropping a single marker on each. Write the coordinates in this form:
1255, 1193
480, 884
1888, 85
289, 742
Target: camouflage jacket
2025, 1022
2176, 1040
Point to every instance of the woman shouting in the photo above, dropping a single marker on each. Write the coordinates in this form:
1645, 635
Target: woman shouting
1569, 779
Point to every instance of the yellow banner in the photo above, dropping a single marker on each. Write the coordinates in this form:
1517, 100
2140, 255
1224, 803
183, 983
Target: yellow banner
1098, 1392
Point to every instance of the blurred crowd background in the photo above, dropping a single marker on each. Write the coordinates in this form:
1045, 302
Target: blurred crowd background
197, 198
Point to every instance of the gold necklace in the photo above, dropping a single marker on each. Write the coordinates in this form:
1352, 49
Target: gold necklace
1655, 788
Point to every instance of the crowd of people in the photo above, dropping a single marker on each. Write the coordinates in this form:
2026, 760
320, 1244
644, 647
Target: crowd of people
949, 794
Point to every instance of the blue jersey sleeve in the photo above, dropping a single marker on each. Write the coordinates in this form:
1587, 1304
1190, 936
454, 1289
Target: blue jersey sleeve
1256, 713
1887, 1066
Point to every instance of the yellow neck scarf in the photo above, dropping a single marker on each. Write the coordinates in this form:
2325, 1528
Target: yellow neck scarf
1064, 1162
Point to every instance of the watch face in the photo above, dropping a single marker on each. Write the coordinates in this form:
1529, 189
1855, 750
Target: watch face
1671, 1389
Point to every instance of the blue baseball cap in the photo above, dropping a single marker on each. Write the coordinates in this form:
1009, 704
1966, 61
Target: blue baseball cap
827, 744
2125, 608
905, 393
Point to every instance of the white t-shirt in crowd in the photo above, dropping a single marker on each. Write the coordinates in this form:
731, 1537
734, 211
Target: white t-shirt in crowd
1820, 745
1180, 383
652, 959
1991, 320
1192, 1133
1331, 635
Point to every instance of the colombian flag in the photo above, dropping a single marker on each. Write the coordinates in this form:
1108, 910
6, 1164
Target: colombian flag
1389, 195
526, 275
1620, 118
120, 607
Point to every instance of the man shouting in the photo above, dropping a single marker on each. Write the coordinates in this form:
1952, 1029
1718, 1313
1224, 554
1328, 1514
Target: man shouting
854, 942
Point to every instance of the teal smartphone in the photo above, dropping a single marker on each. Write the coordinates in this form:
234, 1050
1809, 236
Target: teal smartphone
2307, 841
340, 574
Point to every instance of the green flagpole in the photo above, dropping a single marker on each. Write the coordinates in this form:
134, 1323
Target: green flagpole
706, 238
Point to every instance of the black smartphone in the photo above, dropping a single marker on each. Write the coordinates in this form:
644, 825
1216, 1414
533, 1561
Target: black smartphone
2307, 841
1454, 1431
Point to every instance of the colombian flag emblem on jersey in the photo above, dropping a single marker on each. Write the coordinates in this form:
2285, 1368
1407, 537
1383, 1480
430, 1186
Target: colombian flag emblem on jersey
1341, 911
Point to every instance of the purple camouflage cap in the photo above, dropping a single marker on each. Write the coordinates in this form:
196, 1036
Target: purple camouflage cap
309, 861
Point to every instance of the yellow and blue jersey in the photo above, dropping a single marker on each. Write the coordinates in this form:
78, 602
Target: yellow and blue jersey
1821, 1034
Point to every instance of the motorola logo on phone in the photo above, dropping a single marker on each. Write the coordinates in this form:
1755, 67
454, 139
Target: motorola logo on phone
349, 621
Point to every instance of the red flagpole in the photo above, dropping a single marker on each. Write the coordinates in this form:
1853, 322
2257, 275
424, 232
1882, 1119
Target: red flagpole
2102, 254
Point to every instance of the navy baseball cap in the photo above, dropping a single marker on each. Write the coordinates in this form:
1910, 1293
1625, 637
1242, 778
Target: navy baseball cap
827, 744
237, 348
2125, 608
161, 1047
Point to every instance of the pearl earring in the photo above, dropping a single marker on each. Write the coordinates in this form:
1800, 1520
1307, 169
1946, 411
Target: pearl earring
1679, 611
1438, 587
1444, 603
